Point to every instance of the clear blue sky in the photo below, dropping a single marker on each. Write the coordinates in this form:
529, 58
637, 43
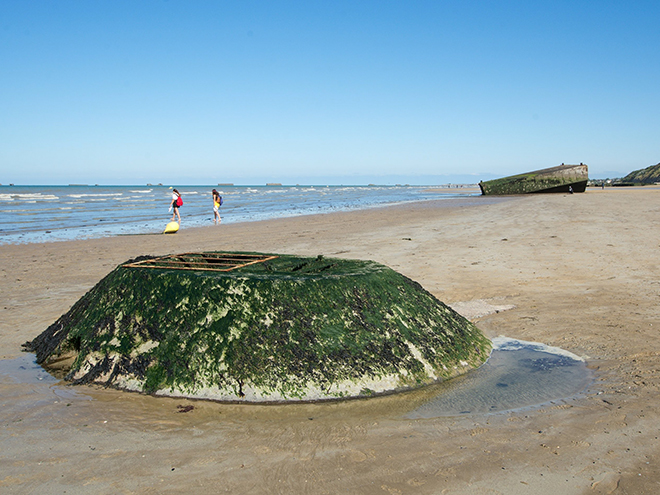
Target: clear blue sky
192, 92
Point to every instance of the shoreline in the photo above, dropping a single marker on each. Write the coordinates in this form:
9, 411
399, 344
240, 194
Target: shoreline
91, 215
434, 203
578, 272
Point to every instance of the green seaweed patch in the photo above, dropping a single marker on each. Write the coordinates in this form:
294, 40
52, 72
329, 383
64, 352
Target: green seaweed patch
524, 183
554, 179
292, 328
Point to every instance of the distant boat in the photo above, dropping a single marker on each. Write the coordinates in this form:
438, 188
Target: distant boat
273, 183
561, 179
225, 183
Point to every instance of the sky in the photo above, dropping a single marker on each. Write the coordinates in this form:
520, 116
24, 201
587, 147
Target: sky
324, 92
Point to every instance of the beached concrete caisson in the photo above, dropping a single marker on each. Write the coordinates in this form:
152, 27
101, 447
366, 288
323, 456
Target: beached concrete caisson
256, 327
563, 178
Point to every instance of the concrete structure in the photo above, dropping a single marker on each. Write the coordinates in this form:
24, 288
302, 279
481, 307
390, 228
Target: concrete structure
564, 178
260, 327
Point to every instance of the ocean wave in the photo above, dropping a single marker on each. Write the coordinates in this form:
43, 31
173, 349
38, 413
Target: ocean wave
77, 196
28, 197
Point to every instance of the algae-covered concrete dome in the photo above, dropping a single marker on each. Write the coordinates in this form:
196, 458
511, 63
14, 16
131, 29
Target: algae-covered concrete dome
260, 327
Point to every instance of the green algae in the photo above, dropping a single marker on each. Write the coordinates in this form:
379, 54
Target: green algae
291, 328
554, 179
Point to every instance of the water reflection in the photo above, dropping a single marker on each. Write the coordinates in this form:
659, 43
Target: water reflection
518, 374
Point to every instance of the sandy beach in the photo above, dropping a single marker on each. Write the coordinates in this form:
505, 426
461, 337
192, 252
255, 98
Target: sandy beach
579, 272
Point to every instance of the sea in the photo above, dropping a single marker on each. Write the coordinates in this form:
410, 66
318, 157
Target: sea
30, 214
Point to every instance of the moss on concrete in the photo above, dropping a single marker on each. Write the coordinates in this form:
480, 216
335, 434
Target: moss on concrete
555, 179
288, 329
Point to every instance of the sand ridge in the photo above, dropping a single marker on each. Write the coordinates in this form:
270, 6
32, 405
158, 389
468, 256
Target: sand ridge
579, 272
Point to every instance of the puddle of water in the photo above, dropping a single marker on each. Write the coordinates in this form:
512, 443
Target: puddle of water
24, 369
518, 374
28, 390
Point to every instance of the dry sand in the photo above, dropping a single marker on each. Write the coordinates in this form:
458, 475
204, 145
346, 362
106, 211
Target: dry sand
579, 271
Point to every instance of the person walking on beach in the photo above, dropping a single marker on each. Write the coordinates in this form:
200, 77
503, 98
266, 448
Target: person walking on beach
217, 201
176, 204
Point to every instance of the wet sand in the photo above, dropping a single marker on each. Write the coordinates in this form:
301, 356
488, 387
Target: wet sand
578, 271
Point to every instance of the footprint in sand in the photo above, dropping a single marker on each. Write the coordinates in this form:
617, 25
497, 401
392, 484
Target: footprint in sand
607, 483
478, 431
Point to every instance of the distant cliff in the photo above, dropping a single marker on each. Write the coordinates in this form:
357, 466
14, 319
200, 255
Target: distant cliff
648, 175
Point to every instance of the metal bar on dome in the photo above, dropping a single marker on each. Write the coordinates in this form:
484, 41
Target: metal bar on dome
201, 261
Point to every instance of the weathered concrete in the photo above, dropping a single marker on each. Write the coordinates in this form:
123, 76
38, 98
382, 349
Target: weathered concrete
563, 178
289, 328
